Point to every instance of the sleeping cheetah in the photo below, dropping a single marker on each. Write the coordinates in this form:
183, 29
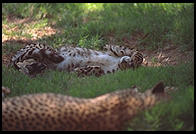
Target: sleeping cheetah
50, 111
35, 58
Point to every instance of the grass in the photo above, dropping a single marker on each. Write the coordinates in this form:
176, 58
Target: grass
93, 26
86, 24
66, 83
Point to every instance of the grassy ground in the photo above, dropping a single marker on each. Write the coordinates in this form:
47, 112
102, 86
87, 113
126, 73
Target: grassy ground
93, 26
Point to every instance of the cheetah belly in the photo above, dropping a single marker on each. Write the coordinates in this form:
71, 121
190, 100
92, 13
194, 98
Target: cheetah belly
105, 61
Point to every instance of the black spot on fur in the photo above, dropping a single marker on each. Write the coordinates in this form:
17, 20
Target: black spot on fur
97, 67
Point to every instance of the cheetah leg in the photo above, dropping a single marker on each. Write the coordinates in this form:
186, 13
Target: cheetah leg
126, 62
89, 70
133, 61
119, 51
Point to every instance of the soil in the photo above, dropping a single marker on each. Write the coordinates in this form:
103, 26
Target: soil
170, 54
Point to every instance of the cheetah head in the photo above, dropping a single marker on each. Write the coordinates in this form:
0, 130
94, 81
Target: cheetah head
31, 67
158, 93
149, 98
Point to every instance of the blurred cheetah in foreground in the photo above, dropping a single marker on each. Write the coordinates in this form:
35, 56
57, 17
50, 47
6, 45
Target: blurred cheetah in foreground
50, 111
5, 91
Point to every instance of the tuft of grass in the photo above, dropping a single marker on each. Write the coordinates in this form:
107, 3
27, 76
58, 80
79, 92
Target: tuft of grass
143, 77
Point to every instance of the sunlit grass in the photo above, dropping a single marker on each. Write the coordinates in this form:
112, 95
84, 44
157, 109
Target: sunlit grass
89, 7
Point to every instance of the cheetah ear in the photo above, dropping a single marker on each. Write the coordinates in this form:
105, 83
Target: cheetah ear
158, 88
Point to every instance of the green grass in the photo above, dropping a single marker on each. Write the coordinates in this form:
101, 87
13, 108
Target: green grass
66, 83
87, 24
92, 26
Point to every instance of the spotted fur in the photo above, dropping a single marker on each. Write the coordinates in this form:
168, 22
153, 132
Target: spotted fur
5, 91
39, 53
81, 60
50, 111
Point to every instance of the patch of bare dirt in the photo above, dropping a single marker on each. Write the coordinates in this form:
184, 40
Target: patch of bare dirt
11, 32
16, 20
133, 41
169, 55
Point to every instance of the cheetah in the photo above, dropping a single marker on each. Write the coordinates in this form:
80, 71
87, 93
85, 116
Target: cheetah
5, 91
35, 58
49, 111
